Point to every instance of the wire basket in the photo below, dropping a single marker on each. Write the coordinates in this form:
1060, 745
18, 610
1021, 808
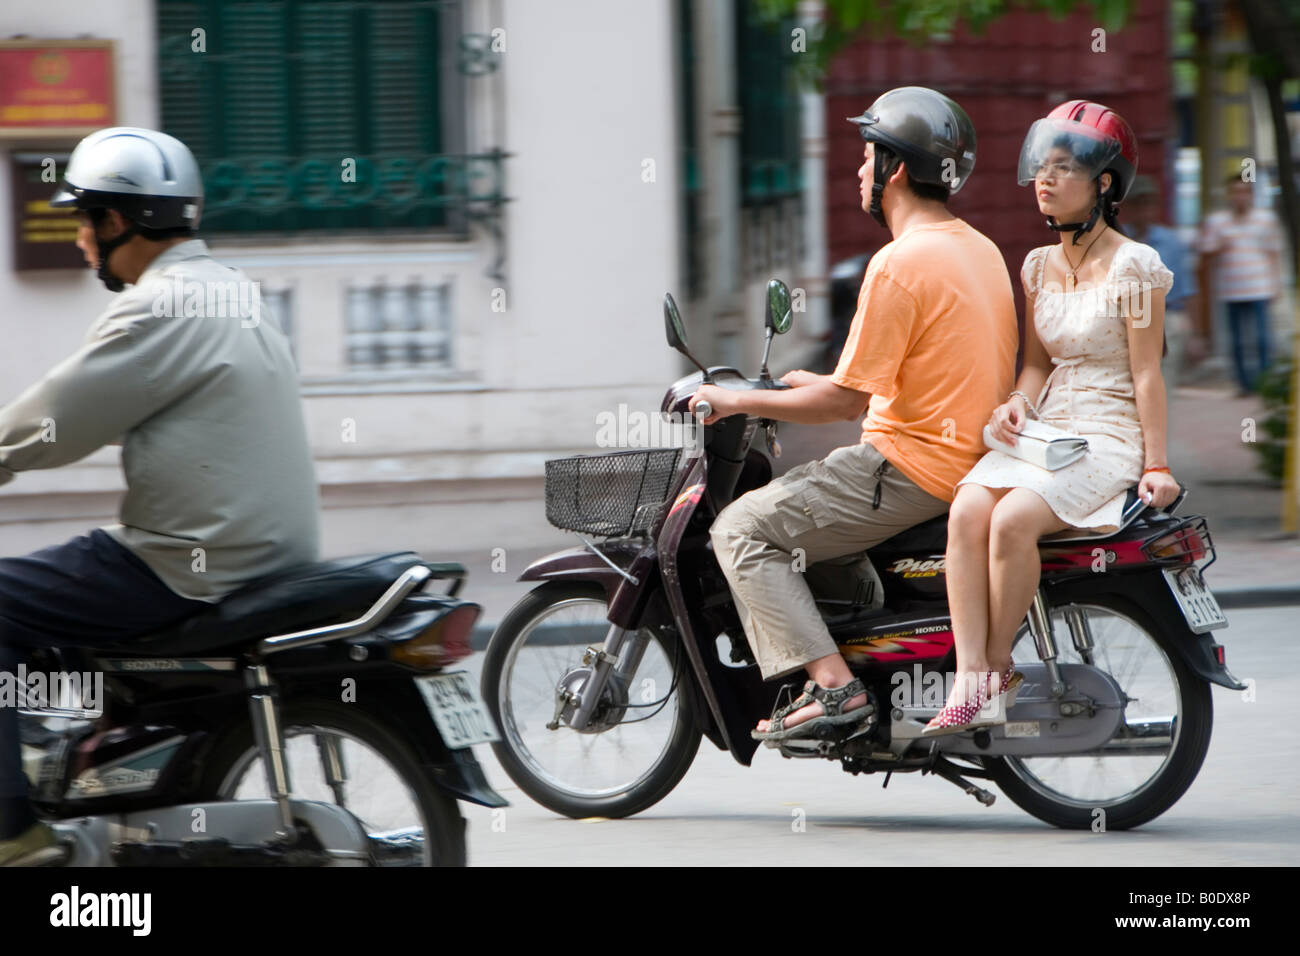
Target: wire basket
609, 495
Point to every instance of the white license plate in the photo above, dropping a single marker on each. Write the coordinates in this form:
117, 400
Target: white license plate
1199, 606
458, 712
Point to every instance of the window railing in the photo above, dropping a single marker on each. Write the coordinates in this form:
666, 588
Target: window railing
352, 192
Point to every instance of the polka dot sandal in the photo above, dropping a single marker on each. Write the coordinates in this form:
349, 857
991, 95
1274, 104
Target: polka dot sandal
1009, 682
980, 712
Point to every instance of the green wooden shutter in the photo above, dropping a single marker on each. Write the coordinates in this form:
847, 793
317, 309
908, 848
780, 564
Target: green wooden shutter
769, 106
288, 90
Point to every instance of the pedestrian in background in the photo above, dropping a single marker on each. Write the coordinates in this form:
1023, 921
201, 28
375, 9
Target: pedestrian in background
1144, 213
1244, 244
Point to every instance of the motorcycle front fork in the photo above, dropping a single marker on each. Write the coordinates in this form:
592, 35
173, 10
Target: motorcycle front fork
1040, 628
621, 655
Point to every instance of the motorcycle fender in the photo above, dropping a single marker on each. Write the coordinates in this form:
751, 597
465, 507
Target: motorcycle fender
400, 703
1149, 592
574, 564
1200, 651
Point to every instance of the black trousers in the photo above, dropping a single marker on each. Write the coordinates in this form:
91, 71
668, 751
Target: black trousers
86, 592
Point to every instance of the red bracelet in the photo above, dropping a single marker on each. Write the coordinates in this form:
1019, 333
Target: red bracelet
1161, 468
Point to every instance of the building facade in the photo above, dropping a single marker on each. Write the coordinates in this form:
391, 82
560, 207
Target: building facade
465, 214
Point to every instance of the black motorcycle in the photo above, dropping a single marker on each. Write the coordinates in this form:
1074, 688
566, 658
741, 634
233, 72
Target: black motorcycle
286, 726
603, 679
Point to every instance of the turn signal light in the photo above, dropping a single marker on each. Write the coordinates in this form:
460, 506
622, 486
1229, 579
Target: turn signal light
443, 642
1189, 543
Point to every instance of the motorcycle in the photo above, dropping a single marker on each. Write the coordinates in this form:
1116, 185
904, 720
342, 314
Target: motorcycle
604, 678
285, 726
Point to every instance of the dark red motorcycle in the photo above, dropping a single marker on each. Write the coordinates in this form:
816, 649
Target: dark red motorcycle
604, 677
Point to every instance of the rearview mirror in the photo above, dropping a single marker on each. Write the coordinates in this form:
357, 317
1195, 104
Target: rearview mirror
673, 327
778, 307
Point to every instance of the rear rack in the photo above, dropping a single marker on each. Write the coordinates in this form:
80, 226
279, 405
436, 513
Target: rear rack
1182, 533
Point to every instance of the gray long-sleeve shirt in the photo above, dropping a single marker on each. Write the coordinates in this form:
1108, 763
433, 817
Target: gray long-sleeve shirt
202, 392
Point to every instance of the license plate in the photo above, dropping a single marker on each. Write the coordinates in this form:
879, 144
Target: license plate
459, 714
1198, 605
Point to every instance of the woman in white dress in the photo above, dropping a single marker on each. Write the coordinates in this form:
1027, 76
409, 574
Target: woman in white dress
1094, 305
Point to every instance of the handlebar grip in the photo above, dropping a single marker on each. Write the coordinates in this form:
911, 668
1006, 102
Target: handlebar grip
703, 409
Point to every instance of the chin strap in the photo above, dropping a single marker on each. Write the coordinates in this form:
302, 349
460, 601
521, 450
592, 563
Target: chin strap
1080, 228
106, 247
878, 178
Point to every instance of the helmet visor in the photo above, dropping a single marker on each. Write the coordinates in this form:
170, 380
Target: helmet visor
1060, 149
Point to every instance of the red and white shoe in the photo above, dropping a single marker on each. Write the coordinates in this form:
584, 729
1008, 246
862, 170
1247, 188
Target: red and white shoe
970, 713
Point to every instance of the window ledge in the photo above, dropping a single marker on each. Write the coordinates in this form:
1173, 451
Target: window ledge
392, 383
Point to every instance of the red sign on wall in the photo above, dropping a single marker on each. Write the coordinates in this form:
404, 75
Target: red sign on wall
56, 87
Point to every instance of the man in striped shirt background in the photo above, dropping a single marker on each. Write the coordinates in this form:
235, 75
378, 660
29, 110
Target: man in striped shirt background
1244, 244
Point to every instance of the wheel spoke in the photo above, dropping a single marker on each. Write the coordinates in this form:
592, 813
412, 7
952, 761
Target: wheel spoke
610, 759
1143, 672
377, 795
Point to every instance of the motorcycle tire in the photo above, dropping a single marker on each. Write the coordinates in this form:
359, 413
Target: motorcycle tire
667, 771
440, 811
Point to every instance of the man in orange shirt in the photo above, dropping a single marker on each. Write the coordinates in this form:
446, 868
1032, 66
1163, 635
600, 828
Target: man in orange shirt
930, 354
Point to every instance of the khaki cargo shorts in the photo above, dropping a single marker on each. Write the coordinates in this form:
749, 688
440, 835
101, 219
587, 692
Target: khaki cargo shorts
843, 504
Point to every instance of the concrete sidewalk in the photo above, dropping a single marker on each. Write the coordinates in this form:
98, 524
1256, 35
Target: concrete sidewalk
1255, 566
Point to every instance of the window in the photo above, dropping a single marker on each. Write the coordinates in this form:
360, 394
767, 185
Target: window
770, 165
320, 114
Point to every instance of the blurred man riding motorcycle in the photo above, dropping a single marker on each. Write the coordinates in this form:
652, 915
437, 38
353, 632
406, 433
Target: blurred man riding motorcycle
220, 484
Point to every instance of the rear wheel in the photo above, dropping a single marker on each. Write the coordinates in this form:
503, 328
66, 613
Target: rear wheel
1160, 746
644, 733
410, 820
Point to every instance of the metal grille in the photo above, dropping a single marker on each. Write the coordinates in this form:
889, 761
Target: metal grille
610, 495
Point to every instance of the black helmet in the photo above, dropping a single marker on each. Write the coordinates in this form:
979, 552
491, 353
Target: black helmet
929, 132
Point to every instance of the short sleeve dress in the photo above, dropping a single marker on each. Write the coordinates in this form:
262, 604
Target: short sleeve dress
1089, 391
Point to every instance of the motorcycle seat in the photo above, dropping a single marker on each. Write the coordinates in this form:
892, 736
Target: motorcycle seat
310, 595
932, 536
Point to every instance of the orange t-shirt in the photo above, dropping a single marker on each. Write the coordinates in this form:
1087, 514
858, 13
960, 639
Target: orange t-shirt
934, 342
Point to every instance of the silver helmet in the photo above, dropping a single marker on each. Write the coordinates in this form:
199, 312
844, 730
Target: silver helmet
149, 177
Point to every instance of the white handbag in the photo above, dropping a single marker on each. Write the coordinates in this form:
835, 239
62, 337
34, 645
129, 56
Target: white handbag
1041, 444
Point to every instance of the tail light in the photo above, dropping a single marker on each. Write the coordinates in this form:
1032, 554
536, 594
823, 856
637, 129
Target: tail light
443, 642
1187, 544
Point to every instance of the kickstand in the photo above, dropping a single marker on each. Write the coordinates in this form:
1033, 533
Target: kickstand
948, 771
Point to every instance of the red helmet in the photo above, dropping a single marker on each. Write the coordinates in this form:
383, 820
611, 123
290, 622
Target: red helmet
1081, 140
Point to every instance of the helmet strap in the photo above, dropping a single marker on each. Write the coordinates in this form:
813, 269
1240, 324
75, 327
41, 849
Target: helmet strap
883, 170
105, 248
1080, 228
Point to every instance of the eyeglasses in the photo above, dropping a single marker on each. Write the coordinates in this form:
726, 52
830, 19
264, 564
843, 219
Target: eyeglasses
1067, 169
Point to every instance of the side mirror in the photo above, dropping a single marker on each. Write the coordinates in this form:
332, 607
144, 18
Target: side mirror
778, 307
676, 332
776, 321
673, 326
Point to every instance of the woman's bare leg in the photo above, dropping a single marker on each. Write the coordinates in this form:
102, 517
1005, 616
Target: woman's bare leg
1019, 520
966, 566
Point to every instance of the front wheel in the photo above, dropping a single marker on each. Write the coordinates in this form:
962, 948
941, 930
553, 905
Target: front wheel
1159, 748
643, 734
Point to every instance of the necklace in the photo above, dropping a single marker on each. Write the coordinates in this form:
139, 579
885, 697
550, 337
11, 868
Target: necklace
1071, 276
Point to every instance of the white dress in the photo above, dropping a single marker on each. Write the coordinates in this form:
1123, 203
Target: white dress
1089, 391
